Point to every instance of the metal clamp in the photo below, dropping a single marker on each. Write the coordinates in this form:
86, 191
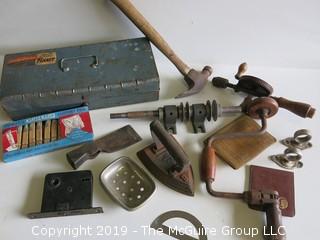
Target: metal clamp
301, 139
199, 115
64, 68
170, 115
290, 159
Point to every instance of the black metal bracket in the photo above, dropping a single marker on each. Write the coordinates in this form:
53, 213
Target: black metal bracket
199, 114
67, 194
170, 116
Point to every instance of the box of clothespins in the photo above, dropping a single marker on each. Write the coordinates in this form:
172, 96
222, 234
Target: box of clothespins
45, 133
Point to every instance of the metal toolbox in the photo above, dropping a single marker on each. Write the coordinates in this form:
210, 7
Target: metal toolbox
100, 75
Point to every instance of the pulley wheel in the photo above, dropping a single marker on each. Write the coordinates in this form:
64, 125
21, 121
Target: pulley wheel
214, 110
208, 110
257, 105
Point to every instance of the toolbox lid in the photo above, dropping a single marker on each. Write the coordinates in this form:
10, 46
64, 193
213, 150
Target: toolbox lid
110, 67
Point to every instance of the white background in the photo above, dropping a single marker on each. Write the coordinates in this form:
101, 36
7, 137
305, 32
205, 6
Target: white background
280, 40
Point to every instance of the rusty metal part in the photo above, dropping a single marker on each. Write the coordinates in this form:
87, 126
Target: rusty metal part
54, 130
196, 80
268, 202
32, 134
268, 105
112, 142
197, 113
264, 201
257, 87
167, 160
208, 162
290, 159
265, 179
39, 131
258, 200
46, 131
25, 137
301, 140
261, 107
158, 224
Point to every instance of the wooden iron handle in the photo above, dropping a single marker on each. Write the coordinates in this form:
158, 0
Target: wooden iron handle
208, 164
301, 109
139, 20
161, 135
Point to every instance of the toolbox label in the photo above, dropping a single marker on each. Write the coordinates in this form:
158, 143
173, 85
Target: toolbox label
37, 59
46, 58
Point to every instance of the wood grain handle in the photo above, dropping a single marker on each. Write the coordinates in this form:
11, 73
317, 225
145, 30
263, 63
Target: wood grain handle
301, 109
208, 164
171, 145
139, 20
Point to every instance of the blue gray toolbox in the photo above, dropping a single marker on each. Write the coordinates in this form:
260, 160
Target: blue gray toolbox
100, 75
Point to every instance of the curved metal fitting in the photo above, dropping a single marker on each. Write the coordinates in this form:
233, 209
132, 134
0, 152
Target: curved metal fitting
301, 140
65, 68
158, 224
290, 159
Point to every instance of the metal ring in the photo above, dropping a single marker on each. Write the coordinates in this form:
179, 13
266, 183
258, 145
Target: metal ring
301, 139
290, 159
302, 136
292, 154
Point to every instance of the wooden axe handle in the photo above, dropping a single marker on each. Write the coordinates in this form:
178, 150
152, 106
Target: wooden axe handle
139, 20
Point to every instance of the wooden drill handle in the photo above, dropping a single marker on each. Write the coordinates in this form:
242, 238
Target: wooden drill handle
208, 164
139, 20
301, 109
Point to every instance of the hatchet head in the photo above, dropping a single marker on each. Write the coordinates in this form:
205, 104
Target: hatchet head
196, 81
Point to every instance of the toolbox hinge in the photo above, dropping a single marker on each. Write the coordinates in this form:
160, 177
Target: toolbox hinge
133, 84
